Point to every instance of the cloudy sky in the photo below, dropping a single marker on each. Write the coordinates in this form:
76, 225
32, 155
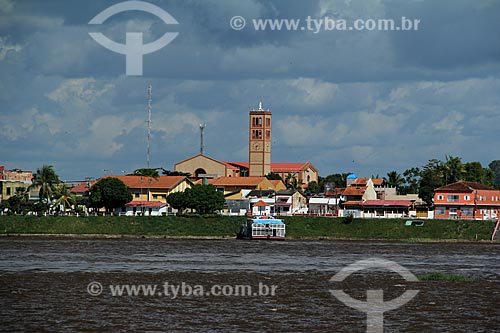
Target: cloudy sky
387, 100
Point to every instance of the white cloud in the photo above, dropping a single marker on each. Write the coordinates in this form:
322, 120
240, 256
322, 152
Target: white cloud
301, 132
313, 92
103, 134
6, 48
450, 122
79, 92
22, 125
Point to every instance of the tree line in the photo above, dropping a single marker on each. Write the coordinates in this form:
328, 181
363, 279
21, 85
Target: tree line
110, 193
423, 180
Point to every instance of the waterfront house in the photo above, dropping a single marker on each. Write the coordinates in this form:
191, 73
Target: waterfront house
466, 200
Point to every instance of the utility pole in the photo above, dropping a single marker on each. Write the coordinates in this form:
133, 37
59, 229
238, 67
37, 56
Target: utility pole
202, 146
150, 93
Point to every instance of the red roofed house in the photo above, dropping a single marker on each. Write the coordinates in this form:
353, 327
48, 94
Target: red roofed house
388, 208
354, 195
154, 189
149, 194
466, 200
234, 184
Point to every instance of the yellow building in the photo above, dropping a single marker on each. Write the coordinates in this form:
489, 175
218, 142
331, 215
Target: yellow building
154, 189
202, 166
235, 184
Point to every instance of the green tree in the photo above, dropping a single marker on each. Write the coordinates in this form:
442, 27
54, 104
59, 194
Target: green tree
178, 200
336, 179
145, 172
273, 176
431, 178
313, 187
495, 168
46, 179
453, 170
394, 179
411, 181
205, 199
475, 172
174, 173
110, 193
64, 197
291, 182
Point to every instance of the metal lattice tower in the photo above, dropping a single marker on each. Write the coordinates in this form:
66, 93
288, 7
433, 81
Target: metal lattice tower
202, 145
150, 94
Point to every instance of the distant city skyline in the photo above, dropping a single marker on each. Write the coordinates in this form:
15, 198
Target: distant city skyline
387, 100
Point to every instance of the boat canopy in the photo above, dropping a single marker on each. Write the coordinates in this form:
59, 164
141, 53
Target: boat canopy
267, 221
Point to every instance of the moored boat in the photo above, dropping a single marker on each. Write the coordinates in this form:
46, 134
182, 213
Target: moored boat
263, 227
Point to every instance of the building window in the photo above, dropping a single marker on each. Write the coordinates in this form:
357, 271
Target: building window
256, 134
466, 197
466, 211
257, 121
268, 122
440, 197
440, 211
155, 196
136, 195
452, 198
268, 134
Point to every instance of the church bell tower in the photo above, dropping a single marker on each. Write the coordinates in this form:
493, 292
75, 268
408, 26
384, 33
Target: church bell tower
259, 147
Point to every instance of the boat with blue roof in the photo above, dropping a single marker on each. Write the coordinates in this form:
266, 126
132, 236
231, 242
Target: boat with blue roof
263, 227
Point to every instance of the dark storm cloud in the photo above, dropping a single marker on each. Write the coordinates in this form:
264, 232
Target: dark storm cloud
388, 100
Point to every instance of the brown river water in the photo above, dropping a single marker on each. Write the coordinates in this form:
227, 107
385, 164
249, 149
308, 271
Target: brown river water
50, 285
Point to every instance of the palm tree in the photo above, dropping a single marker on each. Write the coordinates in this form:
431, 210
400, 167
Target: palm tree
394, 179
45, 179
64, 196
22, 193
292, 183
145, 172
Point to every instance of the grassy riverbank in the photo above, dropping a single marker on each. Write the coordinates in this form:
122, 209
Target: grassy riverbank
297, 227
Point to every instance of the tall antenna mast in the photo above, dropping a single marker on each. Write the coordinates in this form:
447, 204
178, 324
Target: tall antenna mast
150, 93
202, 146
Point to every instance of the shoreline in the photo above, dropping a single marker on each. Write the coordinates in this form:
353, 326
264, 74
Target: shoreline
230, 237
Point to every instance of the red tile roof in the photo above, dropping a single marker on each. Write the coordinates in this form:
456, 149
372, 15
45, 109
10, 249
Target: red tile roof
145, 204
352, 203
364, 181
81, 188
162, 182
463, 187
353, 190
277, 167
260, 203
360, 181
386, 203
236, 181
288, 167
230, 166
245, 165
